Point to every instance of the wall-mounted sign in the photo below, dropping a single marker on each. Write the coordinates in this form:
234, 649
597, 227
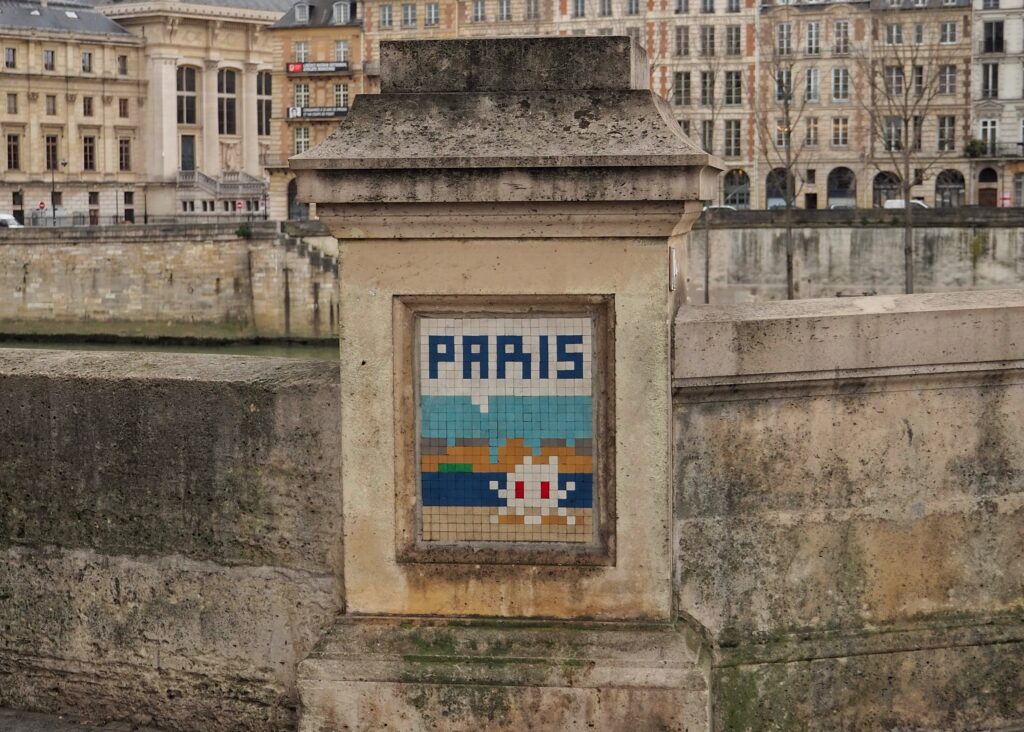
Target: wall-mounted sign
316, 67
316, 112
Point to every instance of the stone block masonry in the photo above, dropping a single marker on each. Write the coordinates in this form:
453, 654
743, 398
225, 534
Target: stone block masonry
165, 281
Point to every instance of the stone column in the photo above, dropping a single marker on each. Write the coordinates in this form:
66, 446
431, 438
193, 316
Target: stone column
247, 113
210, 163
511, 216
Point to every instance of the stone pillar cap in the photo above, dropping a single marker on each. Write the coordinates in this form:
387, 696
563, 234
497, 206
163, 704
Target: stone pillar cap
509, 103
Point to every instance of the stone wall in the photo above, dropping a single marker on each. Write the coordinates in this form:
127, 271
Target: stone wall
849, 506
170, 537
748, 258
175, 281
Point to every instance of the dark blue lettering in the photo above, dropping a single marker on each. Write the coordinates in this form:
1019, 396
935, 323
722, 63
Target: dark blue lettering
562, 342
436, 355
516, 355
543, 358
474, 350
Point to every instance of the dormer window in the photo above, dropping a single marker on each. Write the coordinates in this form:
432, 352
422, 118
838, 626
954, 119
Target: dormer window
341, 13
302, 13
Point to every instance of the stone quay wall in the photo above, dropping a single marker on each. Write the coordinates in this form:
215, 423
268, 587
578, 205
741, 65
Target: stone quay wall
853, 253
849, 497
203, 281
170, 536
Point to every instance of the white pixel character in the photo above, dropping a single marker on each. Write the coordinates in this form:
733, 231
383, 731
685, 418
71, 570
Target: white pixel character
534, 486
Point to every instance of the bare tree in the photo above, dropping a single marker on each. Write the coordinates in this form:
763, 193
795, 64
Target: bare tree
905, 76
779, 106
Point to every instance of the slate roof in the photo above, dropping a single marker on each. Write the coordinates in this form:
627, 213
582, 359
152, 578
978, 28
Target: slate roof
269, 6
64, 15
320, 12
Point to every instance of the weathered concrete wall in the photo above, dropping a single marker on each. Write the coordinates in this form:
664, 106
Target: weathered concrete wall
748, 263
178, 281
170, 534
850, 509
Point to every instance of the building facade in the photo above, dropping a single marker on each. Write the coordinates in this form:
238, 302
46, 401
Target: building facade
74, 96
318, 72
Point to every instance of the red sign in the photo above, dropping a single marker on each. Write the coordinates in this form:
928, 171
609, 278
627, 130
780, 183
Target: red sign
238, 205
42, 205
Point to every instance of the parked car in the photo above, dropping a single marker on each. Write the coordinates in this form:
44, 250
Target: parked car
842, 207
720, 207
7, 221
899, 203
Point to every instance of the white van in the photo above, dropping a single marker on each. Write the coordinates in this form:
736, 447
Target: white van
9, 222
899, 203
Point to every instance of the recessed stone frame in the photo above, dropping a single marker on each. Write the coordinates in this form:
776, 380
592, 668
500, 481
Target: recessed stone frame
415, 318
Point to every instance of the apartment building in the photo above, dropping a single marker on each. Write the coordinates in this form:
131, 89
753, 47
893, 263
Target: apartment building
321, 72
74, 96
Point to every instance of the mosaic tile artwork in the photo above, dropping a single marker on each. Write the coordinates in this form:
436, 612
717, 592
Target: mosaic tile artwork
506, 425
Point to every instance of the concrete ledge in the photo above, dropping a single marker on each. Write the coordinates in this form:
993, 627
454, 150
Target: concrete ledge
404, 673
801, 338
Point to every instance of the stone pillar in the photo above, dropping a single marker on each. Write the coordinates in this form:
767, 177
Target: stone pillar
510, 216
247, 114
210, 163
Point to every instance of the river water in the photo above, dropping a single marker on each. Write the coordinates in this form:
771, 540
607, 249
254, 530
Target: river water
287, 350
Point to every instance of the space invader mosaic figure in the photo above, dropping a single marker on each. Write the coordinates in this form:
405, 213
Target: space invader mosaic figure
533, 487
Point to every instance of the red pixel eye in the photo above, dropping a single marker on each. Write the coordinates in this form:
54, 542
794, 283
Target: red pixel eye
520, 489
545, 489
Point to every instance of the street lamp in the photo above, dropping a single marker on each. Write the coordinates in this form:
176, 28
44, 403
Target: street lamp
53, 189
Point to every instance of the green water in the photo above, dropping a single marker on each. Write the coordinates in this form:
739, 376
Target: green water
287, 350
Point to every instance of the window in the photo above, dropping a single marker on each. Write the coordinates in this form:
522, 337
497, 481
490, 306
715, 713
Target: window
707, 88
840, 85
811, 176
990, 5
408, 15
341, 96
264, 101
479, 11
812, 90
918, 80
918, 132
707, 40
302, 13
385, 16
87, 106
533, 8
682, 40
341, 13
13, 152
840, 131
87, 62
300, 95
124, 154
122, 65
842, 36
947, 32
783, 85
733, 40
813, 38
632, 7
186, 95
733, 87
433, 15
10, 58
49, 59
12, 103
989, 134
88, 153
990, 81
505, 9
227, 118
301, 139
707, 134
57, 199
947, 79
707, 6
605, 8
682, 6
579, 8
783, 39
341, 51
300, 50
782, 133
892, 133
122, 107
51, 104
684, 125
681, 89
919, 34
51, 152
993, 37
732, 138
732, 6
811, 131
94, 198
894, 34
894, 81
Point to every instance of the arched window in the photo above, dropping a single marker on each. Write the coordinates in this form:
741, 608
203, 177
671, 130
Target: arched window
186, 86
227, 102
264, 103
341, 13
988, 175
736, 189
886, 187
842, 188
779, 187
301, 13
949, 189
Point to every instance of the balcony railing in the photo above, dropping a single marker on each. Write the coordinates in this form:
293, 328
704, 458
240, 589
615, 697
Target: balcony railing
998, 150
